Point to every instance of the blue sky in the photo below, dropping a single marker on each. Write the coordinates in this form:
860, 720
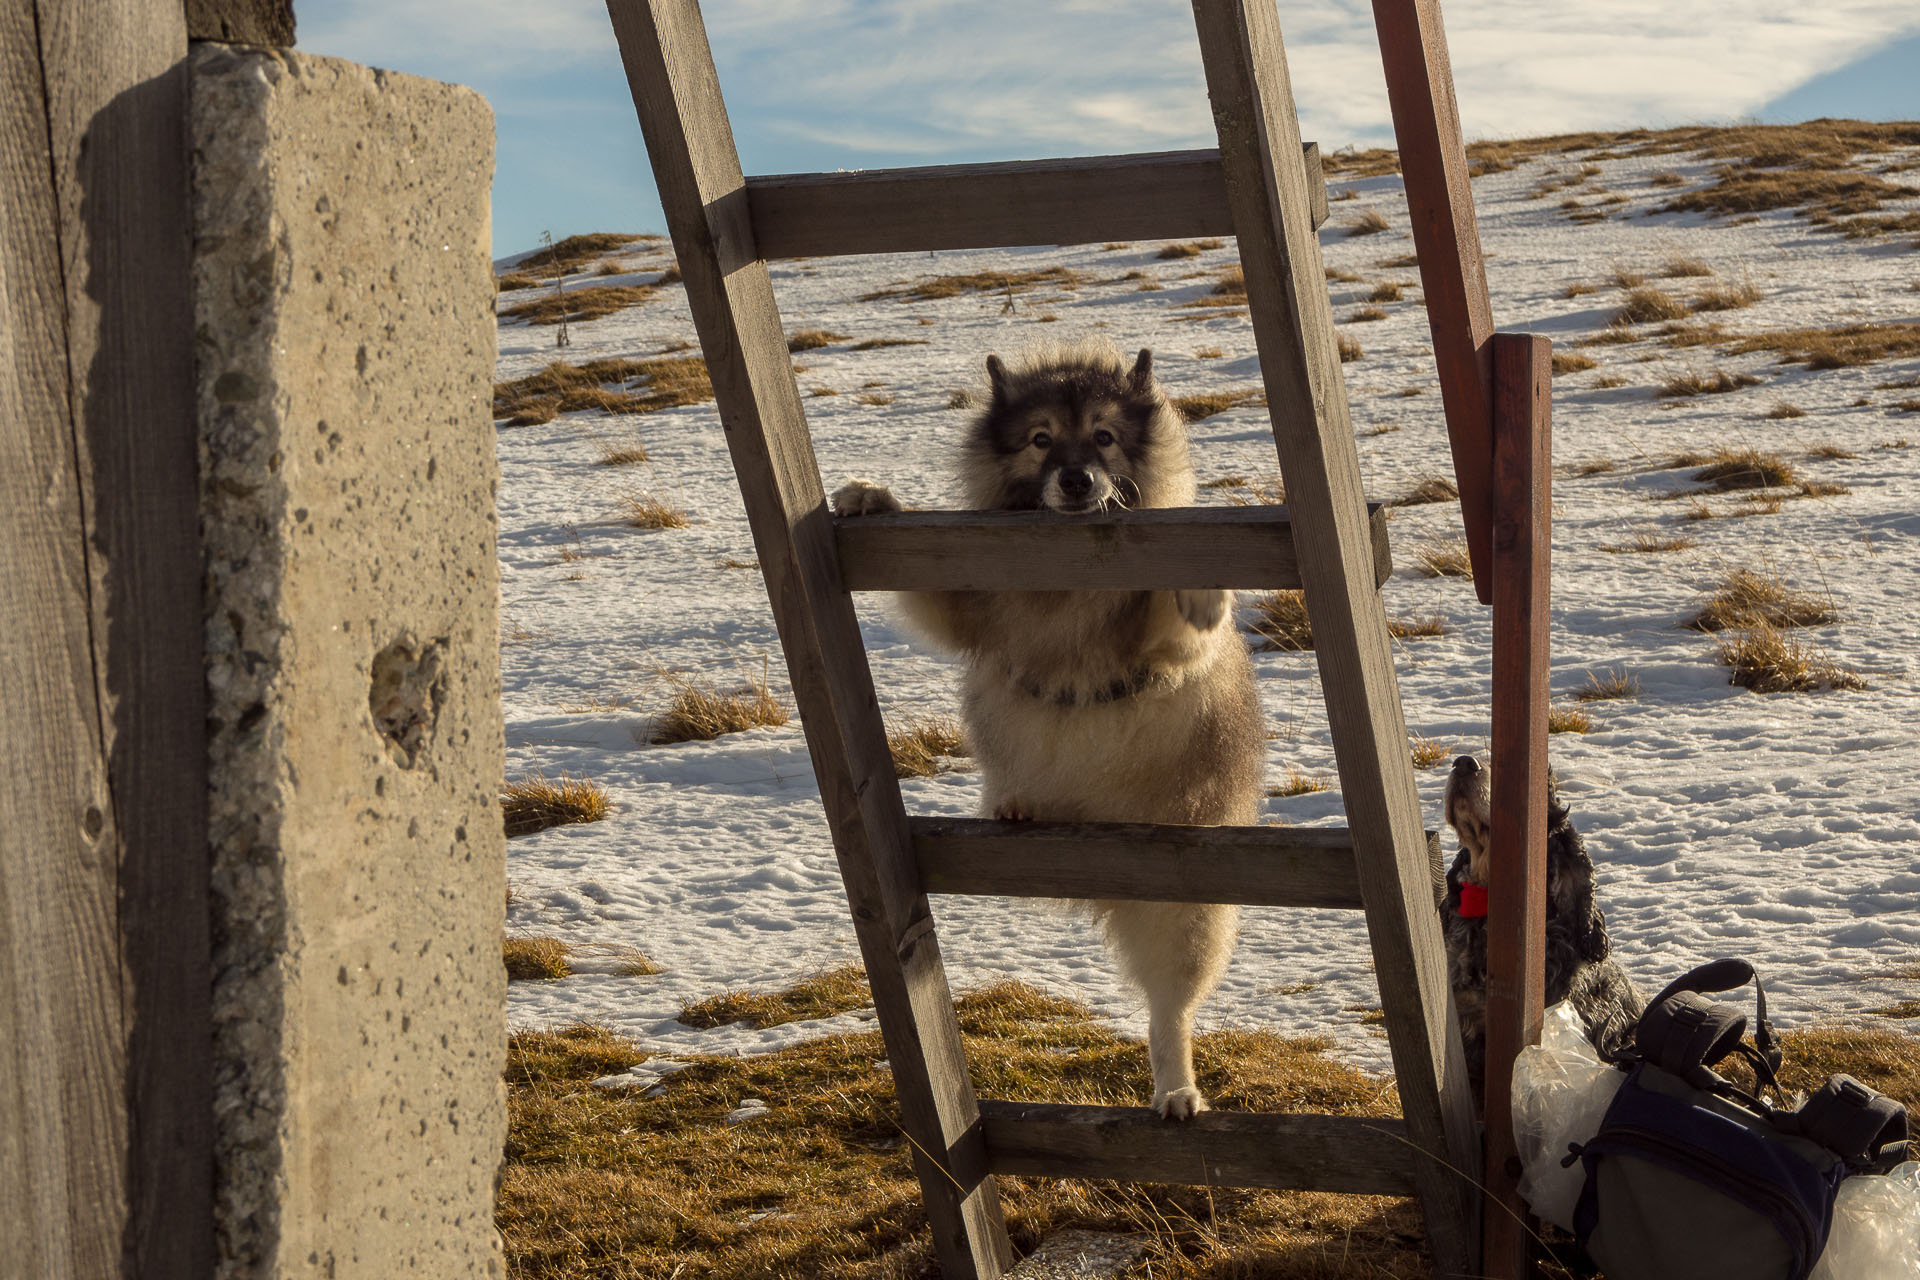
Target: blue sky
827, 84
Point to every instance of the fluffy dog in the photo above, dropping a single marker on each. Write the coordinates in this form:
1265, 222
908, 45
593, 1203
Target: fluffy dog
1102, 706
1579, 966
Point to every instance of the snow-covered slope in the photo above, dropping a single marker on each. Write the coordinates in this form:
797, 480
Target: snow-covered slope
1782, 827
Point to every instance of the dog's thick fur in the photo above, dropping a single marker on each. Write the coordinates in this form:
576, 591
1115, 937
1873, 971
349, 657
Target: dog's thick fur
1107, 706
1579, 966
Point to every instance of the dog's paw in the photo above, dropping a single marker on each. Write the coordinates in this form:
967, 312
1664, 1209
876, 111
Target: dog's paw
1180, 1104
863, 498
1203, 610
1012, 811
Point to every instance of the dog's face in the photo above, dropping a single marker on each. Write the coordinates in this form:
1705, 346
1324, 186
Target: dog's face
1470, 815
1072, 435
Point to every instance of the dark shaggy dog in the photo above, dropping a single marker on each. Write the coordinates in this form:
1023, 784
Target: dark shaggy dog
1578, 966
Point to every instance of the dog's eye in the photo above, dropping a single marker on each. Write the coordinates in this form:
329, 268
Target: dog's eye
1103, 438
1041, 440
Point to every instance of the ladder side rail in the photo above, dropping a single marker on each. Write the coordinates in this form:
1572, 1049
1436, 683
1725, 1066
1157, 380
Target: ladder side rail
1078, 200
1252, 102
1453, 275
676, 92
1517, 892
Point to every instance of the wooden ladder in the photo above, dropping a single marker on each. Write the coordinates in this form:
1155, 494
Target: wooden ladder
725, 227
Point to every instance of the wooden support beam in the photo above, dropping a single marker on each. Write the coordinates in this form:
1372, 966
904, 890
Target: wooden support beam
1354, 1154
1246, 68
1517, 888
1158, 549
1253, 866
1084, 200
1453, 277
676, 93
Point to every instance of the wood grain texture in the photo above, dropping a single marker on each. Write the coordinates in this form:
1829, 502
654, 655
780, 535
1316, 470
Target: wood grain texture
697, 169
1159, 549
1253, 866
117, 98
1252, 101
1354, 1154
264, 22
1083, 200
1453, 276
1517, 882
63, 1107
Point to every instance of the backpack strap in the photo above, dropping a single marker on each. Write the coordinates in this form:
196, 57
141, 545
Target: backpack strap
1859, 1123
1686, 1034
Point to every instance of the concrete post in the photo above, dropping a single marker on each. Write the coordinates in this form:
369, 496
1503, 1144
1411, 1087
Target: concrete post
344, 324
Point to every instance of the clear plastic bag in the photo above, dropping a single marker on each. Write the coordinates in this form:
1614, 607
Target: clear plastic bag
1876, 1228
1561, 1091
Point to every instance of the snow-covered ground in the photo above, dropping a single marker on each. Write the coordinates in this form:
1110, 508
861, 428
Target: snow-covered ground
1784, 828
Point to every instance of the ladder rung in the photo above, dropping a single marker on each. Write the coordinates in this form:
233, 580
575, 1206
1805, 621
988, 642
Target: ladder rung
1084, 200
1158, 549
1254, 866
1353, 1154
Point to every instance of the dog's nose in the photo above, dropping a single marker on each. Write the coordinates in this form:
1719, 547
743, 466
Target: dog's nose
1076, 482
1466, 764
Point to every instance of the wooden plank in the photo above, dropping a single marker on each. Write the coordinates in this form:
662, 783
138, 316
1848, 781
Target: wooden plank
1159, 549
1252, 100
63, 1111
697, 170
265, 22
1356, 1154
1253, 866
1517, 882
1453, 277
117, 100
1084, 200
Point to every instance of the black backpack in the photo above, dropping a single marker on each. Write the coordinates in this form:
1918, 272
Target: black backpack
1692, 1178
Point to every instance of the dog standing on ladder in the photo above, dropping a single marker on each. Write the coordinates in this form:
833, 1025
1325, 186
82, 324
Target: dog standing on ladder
1102, 706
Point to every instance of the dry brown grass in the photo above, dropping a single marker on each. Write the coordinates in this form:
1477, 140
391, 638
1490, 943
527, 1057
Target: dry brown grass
1782, 410
813, 339
1606, 381
1281, 621
1568, 720
1695, 383
700, 713
1622, 278
1370, 223
1732, 297
1342, 276
1207, 404
535, 959
1820, 193
1821, 489
612, 385
1429, 490
1427, 752
587, 302
1647, 304
1364, 315
1728, 469
819, 995
1825, 449
1610, 686
962, 399
925, 745
577, 252
1572, 362
1386, 291
1578, 289
1207, 353
1595, 467
624, 1186
1430, 627
1837, 348
1445, 560
1679, 266
876, 398
876, 344
1297, 783
516, 280
1757, 598
621, 454
1004, 282
1269, 491
1765, 661
536, 802
1349, 348
643, 509
1170, 252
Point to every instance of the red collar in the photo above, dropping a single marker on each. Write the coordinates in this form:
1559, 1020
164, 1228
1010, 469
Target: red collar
1473, 901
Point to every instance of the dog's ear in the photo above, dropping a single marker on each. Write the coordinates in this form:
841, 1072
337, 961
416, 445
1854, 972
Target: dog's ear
1141, 378
997, 378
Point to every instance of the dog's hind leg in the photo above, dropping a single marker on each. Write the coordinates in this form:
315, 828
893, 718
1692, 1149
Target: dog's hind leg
1175, 953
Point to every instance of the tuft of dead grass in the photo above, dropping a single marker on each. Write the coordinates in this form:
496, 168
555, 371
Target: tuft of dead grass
1733, 297
1679, 266
1365, 315
1757, 598
614, 385
1208, 403
1825, 449
1281, 621
624, 454
1695, 383
1610, 686
1572, 362
587, 302
1386, 291
1647, 304
1349, 348
1446, 559
1297, 783
922, 747
1428, 752
1003, 282
536, 802
1568, 720
876, 344
1370, 223
876, 398
813, 339
1429, 490
1842, 347
818, 995
1728, 469
962, 399
1765, 661
700, 713
535, 959
643, 509
1429, 627
1595, 467
1783, 410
